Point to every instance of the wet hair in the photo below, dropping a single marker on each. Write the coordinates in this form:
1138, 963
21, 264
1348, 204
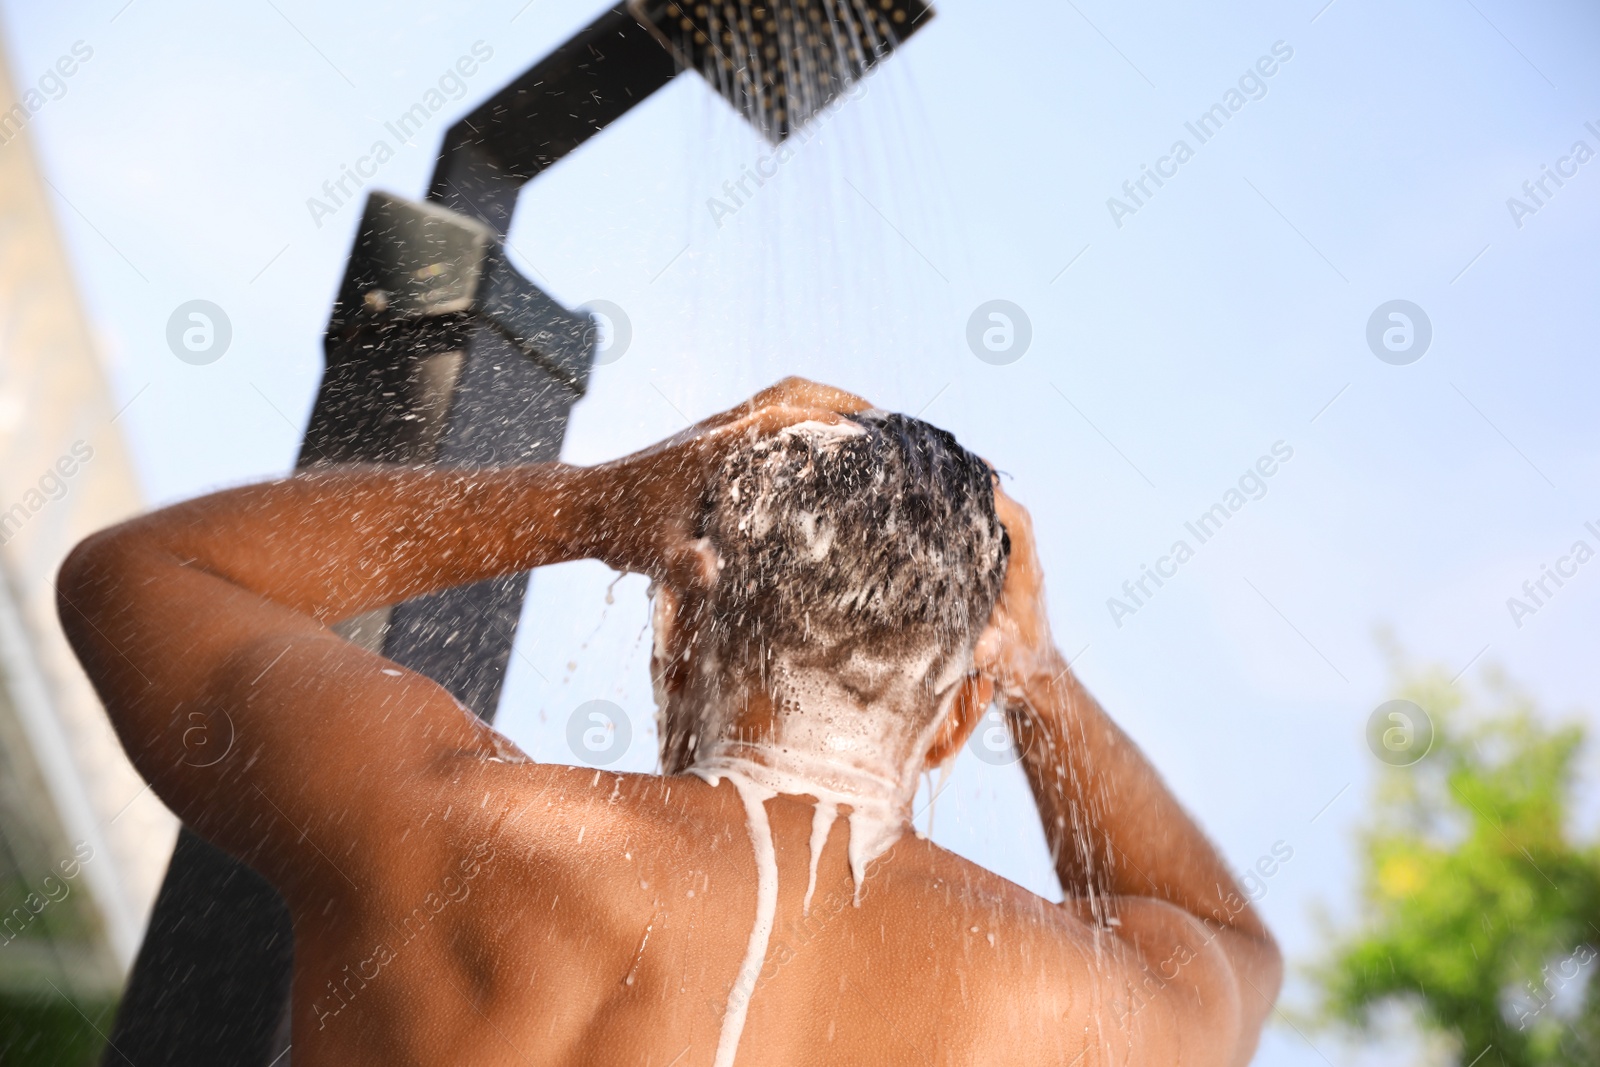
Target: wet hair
879, 532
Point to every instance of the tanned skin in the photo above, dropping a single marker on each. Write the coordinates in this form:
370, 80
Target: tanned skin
456, 903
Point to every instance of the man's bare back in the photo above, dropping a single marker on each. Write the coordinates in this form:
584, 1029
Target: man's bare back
457, 903
622, 947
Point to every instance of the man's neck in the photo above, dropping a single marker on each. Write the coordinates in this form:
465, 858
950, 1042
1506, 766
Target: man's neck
789, 771
874, 784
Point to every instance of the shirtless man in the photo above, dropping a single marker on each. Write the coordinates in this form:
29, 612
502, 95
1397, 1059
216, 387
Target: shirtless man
456, 903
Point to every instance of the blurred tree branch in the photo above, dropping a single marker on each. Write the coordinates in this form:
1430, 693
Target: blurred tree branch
1480, 908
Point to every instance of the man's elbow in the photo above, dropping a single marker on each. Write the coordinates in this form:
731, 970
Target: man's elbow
88, 580
1245, 974
1257, 963
1274, 966
1261, 966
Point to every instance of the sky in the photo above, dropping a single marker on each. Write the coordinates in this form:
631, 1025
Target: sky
1179, 334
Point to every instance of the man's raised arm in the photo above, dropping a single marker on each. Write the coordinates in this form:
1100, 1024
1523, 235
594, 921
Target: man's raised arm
1127, 854
208, 618
206, 622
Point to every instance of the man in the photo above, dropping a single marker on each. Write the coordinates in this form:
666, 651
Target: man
830, 619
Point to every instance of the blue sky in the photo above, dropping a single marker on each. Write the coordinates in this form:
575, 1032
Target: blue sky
1168, 353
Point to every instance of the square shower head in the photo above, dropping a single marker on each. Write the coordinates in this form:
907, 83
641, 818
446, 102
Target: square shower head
781, 61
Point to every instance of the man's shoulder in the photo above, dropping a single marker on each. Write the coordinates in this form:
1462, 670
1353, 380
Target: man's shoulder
1050, 969
566, 824
577, 809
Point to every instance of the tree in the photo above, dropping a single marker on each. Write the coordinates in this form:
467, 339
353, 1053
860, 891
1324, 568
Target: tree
1481, 912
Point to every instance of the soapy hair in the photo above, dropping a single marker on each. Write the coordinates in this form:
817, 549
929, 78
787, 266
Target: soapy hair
876, 532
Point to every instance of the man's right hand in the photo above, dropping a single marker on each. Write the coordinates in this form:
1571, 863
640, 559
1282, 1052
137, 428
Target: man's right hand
648, 502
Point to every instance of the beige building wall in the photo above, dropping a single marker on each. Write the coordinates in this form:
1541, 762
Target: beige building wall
64, 473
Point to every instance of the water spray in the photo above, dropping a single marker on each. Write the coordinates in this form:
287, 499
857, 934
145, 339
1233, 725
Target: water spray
439, 351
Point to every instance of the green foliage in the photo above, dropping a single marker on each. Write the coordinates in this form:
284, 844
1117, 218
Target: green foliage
46, 1030
1481, 913
63, 913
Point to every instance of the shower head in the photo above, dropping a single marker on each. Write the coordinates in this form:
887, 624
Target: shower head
781, 61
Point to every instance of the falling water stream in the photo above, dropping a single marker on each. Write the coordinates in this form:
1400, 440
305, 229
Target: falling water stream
839, 254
